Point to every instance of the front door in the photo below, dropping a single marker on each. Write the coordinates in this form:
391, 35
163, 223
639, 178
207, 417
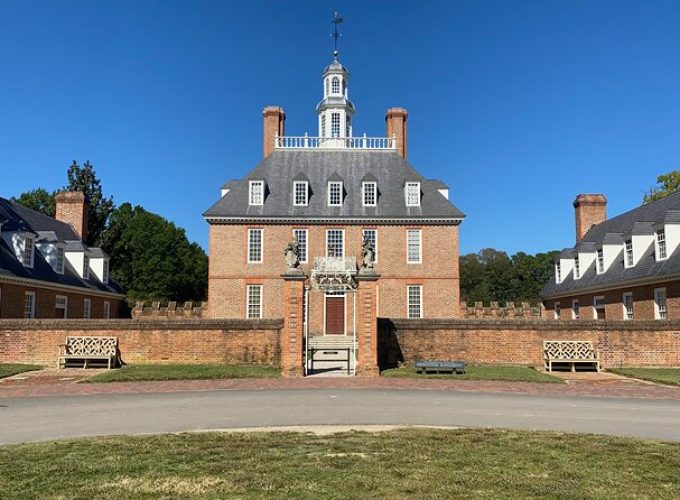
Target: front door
335, 315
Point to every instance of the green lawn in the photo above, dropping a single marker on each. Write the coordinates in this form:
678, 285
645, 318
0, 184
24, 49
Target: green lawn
9, 369
482, 372
408, 463
134, 373
662, 375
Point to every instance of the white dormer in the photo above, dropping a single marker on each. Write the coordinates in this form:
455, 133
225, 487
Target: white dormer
641, 243
335, 192
224, 191
585, 260
300, 193
256, 193
666, 236
54, 254
563, 266
444, 192
78, 256
22, 244
99, 266
412, 194
607, 253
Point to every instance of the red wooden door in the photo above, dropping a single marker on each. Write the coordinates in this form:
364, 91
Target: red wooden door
335, 315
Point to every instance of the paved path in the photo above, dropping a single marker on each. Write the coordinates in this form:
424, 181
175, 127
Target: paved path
57, 417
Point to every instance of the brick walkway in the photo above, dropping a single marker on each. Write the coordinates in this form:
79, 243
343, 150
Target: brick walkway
65, 383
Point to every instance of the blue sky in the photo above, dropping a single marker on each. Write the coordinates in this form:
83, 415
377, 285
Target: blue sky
517, 105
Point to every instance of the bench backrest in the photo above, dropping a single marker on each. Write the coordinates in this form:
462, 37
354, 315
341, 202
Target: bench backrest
330, 341
569, 349
92, 346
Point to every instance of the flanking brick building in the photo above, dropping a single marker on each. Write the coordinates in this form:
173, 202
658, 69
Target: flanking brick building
46, 271
353, 208
625, 268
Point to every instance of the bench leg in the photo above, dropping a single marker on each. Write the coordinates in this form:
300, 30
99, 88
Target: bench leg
573, 367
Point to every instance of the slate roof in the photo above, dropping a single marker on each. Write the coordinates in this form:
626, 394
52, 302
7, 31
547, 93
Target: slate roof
319, 166
636, 221
18, 218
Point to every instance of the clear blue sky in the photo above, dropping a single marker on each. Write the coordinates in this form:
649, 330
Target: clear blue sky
517, 105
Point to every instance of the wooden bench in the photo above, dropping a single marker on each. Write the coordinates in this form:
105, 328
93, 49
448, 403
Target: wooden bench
424, 367
331, 344
87, 349
570, 352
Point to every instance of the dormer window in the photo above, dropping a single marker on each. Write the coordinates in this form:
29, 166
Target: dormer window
300, 193
86, 267
59, 262
412, 190
256, 196
661, 252
600, 260
628, 247
105, 272
28, 255
369, 193
336, 85
335, 194
558, 271
577, 267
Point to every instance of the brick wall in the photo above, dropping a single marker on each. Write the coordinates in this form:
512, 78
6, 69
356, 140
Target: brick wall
155, 311
189, 341
638, 343
509, 311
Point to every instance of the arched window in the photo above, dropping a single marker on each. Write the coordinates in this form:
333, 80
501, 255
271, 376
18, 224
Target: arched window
336, 85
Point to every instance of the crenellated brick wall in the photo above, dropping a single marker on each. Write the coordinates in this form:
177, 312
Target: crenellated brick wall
170, 311
509, 311
643, 343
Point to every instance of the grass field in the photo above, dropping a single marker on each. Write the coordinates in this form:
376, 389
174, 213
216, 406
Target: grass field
482, 372
9, 369
135, 373
669, 376
408, 463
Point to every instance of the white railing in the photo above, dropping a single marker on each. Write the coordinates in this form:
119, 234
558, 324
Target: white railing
335, 264
308, 142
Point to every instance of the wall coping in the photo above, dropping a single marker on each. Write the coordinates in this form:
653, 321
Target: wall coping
145, 324
531, 324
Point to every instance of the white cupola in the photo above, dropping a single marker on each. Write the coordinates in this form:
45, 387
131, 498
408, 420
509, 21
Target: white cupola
335, 111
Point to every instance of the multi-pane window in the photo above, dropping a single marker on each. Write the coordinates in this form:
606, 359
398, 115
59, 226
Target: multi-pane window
372, 236
598, 306
87, 308
105, 271
300, 193
107, 310
575, 311
412, 194
29, 251
301, 236
29, 305
335, 243
660, 311
256, 195
61, 304
336, 85
600, 260
369, 193
86, 267
348, 127
323, 125
335, 124
558, 271
413, 246
577, 267
629, 253
254, 301
59, 265
327, 84
334, 194
414, 296
661, 244
254, 245
558, 310
628, 305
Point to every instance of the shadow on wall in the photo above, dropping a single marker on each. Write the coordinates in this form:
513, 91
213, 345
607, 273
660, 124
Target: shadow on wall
389, 351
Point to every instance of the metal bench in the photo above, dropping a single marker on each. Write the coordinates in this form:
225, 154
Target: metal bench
571, 352
85, 349
424, 367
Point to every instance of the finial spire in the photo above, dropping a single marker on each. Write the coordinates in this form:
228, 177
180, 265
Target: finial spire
336, 20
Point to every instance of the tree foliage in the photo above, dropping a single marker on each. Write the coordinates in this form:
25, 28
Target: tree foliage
39, 200
152, 258
666, 184
491, 275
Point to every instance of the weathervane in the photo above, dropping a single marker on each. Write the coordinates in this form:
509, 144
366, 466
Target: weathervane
336, 20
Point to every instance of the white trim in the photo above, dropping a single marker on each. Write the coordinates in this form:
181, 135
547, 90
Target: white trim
306, 200
625, 309
574, 315
306, 231
329, 188
628, 253
596, 315
660, 313
248, 287
33, 300
64, 306
31, 260
251, 198
557, 309
248, 247
408, 301
420, 246
363, 193
656, 244
344, 312
52, 286
342, 231
408, 185
375, 230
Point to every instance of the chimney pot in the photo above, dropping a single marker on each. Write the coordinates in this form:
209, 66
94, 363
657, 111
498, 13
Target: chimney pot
589, 209
274, 126
396, 127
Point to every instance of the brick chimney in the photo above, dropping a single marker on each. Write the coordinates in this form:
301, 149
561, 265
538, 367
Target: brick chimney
72, 208
396, 127
590, 209
274, 125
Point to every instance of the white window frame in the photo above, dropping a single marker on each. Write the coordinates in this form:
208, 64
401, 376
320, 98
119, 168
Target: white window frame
107, 310
628, 257
557, 308
628, 314
28, 254
412, 198
419, 232
323, 125
599, 260
249, 304
660, 310
335, 85
342, 233
577, 267
575, 309
86, 267
660, 244
253, 198
375, 241
106, 272
87, 308
558, 271
365, 192
250, 248
60, 261
305, 195
331, 185
305, 245
408, 301
596, 314
63, 305
335, 120
29, 312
